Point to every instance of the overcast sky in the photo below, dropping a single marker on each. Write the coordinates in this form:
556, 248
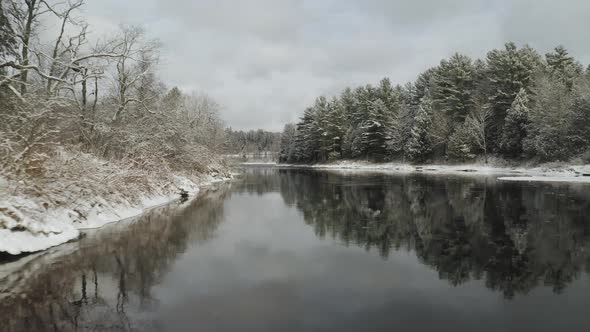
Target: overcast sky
266, 60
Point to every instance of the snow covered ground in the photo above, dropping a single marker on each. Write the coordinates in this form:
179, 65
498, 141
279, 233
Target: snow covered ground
82, 192
254, 163
28, 227
547, 173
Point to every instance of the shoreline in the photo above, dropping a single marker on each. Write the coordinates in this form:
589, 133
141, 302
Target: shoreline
27, 234
541, 173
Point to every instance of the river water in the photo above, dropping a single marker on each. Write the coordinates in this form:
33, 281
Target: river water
304, 250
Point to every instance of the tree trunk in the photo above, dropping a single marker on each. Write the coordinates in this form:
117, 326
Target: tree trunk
26, 40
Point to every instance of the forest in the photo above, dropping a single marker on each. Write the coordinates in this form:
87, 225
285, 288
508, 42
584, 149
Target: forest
256, 144
92, 93
514, 105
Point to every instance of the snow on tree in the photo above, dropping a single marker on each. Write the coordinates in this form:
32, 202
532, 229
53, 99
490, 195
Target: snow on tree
469, 140
563, 66
420, 144
508, 71
472, 108
515, 124
373, 129
453, 87
546, 133
57, 116
335, 128
460, 145
7, 42
287, 150
558, 119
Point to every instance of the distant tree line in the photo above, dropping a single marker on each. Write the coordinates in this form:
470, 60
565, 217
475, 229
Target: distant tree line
514, 104
253, 143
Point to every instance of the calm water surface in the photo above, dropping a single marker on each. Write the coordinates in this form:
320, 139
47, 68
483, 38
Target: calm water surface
300, 250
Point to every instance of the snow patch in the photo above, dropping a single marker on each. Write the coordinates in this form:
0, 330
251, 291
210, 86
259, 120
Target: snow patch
578, 179
31, 221
254, 163
569, 173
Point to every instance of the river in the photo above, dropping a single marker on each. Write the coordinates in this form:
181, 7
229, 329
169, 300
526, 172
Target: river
310, 250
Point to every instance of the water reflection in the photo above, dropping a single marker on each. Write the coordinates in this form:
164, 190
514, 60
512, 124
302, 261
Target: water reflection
107, 277
514, 236
279, 250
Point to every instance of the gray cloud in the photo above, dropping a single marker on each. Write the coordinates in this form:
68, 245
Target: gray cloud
265, 60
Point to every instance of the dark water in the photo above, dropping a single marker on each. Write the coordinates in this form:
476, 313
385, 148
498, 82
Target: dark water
295, 250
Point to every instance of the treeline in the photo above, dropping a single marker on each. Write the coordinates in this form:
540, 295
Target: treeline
96, 94
253, 143
514, 104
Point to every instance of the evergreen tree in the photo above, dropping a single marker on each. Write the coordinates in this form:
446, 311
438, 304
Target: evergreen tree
358, 146
509, 71
374, 130
460, 144
578, 134
420, 144
306, 142
392, 97
514, 130
546, 132
287, 151
347, 102
320, 129
386, 92
454, 86
563, 66
420, 88
361, 121
336, 128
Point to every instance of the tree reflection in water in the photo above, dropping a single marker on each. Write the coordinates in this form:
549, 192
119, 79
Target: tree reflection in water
514, 236
109, 273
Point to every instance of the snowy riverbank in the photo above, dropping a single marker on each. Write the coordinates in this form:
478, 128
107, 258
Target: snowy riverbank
546, 173
84, 192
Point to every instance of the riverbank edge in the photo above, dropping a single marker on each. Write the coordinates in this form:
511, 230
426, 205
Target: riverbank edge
63, 225
543, 172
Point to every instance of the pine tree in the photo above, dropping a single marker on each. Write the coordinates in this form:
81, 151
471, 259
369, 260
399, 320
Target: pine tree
508, 71
386, 92
392, 97
374, 130
514, 131
460, 144
412, 96
546, 133
563, 66
578, 120
421, 87
287, 149
453, 87
420, 143
321, 129
407, 112
306, 142
335, 128
358, 146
